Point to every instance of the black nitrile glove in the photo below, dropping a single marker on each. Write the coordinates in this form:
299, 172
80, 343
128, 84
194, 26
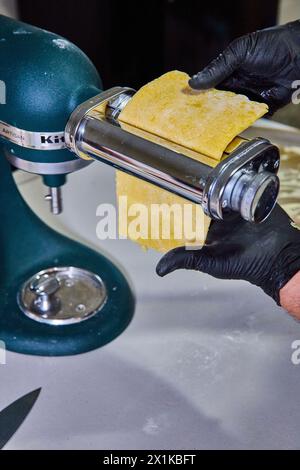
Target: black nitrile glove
265, 254
261, 65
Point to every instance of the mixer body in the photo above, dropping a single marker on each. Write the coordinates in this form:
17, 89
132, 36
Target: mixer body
44, 77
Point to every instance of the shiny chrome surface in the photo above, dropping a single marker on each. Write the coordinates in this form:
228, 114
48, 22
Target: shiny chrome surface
117, 104
32, 140
47, 168
253, 194
87, 107
242, 181
45, 287
55, 198
177, 173
96, 134
92, 134
62, 295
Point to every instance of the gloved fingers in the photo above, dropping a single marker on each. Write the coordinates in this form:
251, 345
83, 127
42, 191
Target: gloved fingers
221, 67
214, 73
245, 85
232, 83
181, 258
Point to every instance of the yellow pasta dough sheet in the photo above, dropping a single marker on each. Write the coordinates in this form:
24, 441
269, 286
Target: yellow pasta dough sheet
202, 125
204, 121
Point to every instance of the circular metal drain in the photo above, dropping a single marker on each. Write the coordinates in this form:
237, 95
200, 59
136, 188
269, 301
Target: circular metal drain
62, 295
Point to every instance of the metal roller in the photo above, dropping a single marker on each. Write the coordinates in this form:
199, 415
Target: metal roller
244, 182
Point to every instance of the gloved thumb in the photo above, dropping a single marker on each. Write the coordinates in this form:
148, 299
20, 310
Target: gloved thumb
181, 258
221, 67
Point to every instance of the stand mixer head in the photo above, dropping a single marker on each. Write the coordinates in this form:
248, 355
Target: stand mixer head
45, 78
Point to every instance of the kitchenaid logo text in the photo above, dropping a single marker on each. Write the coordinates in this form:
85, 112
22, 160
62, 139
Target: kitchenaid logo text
52, 139
139, 222
295, 357
32, 140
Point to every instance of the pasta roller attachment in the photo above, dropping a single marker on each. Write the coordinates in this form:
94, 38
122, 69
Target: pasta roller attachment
244, 182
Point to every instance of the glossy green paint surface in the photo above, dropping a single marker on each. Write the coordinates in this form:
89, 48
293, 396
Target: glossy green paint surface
27, 246
46, 77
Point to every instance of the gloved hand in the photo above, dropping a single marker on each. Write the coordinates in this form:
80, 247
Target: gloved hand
261, 65
265, 254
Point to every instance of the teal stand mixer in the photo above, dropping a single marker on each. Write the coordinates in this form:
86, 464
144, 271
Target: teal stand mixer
58, 297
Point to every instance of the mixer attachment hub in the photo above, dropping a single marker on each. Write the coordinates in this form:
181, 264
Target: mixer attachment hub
62, 295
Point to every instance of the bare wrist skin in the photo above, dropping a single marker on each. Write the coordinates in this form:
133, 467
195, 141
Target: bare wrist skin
290, 296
